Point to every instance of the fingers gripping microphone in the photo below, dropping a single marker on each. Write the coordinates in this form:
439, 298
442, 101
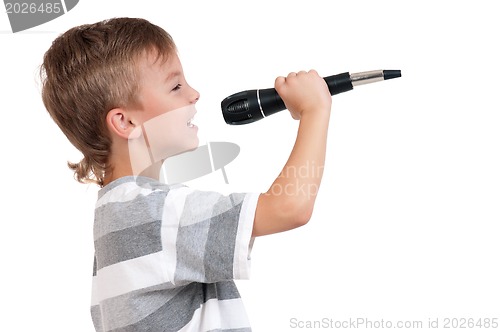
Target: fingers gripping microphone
252, 105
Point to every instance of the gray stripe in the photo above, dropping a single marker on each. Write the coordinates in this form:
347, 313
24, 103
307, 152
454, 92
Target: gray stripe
95, 312
219, 256
116, 216
94, 268
210, 230
132, 307
227, 290
215, 238
191, 243
226, 203
127, 244
176, 313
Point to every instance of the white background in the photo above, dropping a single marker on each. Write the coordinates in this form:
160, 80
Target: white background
406, 226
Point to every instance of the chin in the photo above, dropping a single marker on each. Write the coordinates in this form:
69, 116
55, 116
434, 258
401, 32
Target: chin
190, 147
196, 145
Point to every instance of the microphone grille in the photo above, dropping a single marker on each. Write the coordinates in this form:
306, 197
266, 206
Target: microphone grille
238, 106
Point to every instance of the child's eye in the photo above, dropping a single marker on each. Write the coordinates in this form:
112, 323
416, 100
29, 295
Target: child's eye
177, 87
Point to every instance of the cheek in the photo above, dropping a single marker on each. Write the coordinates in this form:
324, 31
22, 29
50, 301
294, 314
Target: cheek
155, 103
166, 133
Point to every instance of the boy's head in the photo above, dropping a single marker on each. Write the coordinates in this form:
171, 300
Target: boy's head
93, 85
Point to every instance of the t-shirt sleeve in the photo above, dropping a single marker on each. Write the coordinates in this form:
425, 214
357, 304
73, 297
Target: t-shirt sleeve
207, 236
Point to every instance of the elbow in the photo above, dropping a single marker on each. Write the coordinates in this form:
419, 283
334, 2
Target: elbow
303, 216
276, 214
298, 213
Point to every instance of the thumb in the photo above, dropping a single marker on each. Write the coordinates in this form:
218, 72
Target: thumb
278, 83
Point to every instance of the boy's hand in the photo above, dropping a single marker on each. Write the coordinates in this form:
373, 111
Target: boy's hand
304, 92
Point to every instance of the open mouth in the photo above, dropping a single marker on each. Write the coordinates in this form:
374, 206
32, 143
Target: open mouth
190, 123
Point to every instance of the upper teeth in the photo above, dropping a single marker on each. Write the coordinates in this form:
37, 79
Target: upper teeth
189, 123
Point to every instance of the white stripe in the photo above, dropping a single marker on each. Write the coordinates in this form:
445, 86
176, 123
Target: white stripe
215, 314
244, 242
172, 211
123, 193
129, 275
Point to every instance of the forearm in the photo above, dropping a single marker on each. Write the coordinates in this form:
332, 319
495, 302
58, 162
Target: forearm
290, 200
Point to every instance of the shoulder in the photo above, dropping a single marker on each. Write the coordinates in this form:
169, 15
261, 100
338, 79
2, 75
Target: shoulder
129, 188
139, 195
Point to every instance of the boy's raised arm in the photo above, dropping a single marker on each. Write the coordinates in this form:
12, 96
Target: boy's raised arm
290, 200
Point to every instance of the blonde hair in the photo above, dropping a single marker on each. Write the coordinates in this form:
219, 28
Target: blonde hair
89, 70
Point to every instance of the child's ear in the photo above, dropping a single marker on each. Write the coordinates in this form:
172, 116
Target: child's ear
120, 124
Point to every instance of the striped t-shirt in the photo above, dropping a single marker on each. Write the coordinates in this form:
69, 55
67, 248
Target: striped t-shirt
166, 257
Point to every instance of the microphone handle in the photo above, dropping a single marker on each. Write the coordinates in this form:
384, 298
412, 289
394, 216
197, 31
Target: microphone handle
252, 105
270, 102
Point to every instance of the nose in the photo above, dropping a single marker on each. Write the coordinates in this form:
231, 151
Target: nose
195, 96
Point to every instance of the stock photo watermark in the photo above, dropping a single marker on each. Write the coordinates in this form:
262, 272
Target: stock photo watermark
463, 323
299, 181
25, 15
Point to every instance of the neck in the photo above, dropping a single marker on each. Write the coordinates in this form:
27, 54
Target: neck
132, 158
153, 171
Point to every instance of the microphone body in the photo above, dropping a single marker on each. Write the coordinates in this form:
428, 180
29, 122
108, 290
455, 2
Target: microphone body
252, 105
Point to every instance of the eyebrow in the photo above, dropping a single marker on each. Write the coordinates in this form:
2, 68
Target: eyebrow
171, 75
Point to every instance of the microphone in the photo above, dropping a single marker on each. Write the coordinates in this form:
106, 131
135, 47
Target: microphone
252, 105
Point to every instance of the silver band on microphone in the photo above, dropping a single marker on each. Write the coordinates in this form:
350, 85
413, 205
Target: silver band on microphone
367, 77
260, 106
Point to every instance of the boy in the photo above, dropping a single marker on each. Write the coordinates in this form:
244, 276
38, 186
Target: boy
166, 256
